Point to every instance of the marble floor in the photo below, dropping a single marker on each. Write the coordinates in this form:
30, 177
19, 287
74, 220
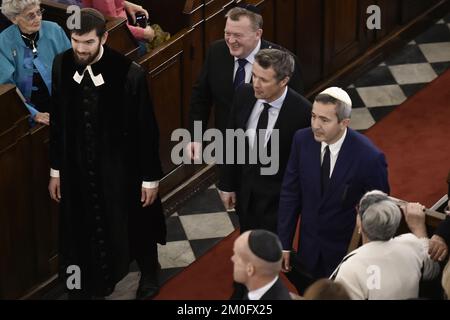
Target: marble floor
203, 221
401, 75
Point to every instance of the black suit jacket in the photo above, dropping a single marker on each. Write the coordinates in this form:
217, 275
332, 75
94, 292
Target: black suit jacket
443, 230
214, 86
277, 292
246, 179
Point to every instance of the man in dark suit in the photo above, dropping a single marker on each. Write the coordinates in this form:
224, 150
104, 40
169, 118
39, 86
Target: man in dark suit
256, 260
269, 113
329, 170
228, 64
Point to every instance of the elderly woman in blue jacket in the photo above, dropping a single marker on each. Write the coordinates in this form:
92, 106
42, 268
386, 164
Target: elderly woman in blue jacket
27, 50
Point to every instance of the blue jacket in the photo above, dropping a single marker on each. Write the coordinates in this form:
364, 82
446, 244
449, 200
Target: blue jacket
16, 59
327, 221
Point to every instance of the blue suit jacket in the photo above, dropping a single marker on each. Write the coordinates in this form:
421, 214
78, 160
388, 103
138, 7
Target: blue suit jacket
327, 222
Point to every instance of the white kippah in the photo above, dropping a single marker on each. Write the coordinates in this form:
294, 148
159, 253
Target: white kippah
338, 94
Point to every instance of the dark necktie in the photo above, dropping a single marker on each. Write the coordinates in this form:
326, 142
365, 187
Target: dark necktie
326, 170
262, 123
240, 73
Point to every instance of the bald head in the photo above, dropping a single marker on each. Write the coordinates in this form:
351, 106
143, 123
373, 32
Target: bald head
257, 255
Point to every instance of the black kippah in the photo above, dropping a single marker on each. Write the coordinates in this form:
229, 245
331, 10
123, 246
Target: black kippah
265, 245
94, 13
249, 7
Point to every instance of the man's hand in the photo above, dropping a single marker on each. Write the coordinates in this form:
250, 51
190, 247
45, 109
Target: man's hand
438, 248
286, 262
415, 219
148, 196
132, 9
42, 117
54, 187
228, 199
193, 150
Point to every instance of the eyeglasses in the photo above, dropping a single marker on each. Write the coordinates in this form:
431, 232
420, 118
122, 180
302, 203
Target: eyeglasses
33, 15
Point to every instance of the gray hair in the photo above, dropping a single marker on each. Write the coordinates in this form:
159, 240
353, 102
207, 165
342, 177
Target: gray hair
370, 198
343, 110
12, 8
236, 13
380, 221
282, 62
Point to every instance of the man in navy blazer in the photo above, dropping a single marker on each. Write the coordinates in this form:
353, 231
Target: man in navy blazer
330, 168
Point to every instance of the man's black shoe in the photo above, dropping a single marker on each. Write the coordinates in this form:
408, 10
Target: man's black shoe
148, 287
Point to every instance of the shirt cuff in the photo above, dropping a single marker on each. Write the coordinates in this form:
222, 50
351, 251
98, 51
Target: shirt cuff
286, 251
150, 184
54, 173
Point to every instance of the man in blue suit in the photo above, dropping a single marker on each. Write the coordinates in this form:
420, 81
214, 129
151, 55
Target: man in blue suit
330, 168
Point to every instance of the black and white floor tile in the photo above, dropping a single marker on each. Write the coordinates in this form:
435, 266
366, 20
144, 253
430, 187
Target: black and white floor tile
400, 76
203, 221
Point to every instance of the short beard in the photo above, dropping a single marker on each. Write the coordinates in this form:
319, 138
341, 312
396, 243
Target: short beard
89, 60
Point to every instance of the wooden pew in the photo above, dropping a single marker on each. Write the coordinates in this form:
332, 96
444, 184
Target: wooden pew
27, 222
172, 69
120, 37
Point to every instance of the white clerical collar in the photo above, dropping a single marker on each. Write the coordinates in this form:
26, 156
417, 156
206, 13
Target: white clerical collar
98, 79
251, 57
275, 103
258, 293
335, 147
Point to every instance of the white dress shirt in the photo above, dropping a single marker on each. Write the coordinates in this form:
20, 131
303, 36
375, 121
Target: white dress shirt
249, 66
98, 81
273, 116
258, 293
334, 151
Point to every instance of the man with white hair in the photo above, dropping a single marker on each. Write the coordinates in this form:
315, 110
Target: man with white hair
330, 168
385, 267
257, 265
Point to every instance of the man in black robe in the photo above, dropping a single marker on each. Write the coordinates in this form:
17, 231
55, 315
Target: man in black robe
105, 164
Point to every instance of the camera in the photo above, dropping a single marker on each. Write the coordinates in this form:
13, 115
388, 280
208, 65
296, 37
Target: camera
141, 20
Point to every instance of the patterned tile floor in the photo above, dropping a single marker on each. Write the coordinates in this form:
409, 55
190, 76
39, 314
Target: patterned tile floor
379, 91
203, 221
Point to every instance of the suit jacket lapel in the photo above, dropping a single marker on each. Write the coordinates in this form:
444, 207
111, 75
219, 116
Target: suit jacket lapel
246, 111
284, 114
316, 172
228, 71
343, 164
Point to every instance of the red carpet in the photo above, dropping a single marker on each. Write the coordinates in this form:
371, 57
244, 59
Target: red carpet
416, 140
208, 278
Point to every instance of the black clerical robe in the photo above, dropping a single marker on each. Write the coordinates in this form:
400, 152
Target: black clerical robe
104, 142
